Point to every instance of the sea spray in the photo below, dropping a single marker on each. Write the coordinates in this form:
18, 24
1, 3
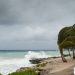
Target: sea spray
32, 55
11, 65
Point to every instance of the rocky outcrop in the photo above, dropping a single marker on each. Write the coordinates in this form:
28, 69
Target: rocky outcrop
35, 61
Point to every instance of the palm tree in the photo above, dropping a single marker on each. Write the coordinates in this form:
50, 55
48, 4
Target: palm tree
66, 40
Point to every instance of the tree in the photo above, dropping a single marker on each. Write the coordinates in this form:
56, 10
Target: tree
66, 40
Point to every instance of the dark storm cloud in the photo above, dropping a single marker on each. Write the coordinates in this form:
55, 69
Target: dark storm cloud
6, 15
33, 24
30, 11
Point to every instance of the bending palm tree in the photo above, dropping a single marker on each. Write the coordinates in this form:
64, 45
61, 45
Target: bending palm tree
66, 40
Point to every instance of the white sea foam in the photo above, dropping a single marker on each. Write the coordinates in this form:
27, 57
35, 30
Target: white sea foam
11, 65
33, 55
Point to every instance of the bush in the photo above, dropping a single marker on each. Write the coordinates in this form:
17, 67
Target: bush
26, 72
41, 64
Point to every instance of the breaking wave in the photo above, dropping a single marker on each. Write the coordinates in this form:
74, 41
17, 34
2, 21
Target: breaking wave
11, 65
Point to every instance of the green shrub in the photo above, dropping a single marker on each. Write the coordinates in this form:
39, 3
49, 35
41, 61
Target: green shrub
0, 74
26, 72
41, 64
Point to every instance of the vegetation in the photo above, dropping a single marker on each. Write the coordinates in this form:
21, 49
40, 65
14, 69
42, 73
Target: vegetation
66, 37
26, 72
41, 64
66, 40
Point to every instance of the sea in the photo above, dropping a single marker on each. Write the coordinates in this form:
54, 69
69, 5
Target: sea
11, 60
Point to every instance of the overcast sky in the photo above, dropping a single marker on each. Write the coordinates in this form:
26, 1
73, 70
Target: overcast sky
33, 24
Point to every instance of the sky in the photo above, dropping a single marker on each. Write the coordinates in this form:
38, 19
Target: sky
33, 24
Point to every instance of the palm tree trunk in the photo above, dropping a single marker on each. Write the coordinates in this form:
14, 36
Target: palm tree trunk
73, 54
62, 56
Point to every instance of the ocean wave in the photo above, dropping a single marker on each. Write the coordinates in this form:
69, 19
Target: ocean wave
33, 55
11, 65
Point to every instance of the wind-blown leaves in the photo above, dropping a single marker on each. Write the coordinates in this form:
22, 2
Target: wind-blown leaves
66, 37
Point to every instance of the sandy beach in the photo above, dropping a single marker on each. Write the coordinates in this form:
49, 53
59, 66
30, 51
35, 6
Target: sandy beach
55, 66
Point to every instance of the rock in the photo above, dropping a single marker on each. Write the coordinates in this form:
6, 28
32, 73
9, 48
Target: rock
35, 61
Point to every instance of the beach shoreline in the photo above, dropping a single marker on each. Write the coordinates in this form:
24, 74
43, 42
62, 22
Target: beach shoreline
55, 66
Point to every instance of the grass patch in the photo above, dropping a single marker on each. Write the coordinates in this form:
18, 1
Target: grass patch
41, 64
26, 72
